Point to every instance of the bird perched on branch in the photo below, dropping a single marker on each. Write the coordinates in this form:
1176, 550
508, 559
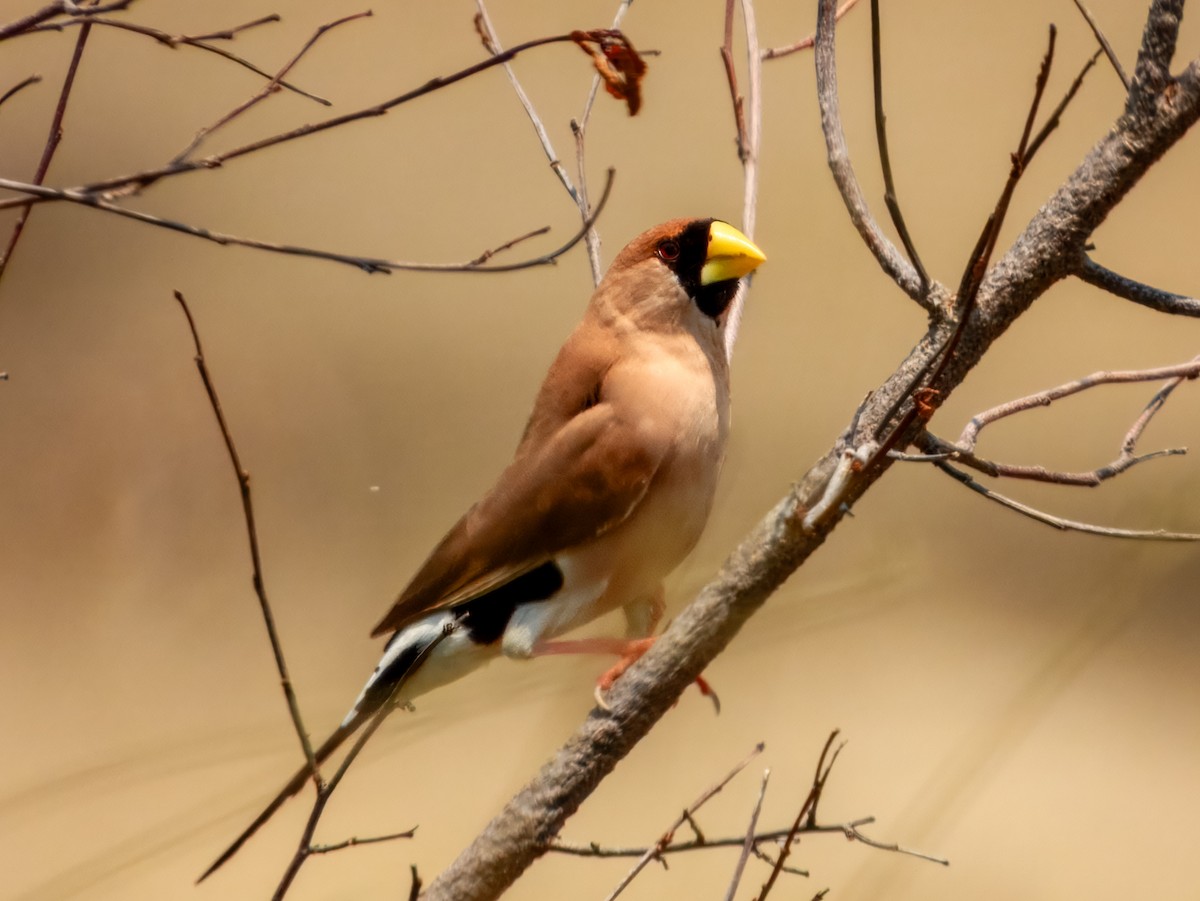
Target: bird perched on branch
609, 489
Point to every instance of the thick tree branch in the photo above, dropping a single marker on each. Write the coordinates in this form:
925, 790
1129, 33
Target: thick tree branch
1046, 251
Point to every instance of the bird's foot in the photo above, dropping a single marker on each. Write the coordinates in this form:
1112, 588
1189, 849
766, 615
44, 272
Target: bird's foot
632, 653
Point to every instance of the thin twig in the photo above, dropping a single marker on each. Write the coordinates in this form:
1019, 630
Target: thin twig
414, 891
30, 22
1104, 44
200, 42
854, 834
806, 817
806, 42
594, 849
260, 589
52, 141
20, 85
228, 34
1055, 117
749, 152
366, 264
266, 90
492, 45
739, 118
354, 842
1059, 522
748, 843
885, 160
1176, 373
1155, 298
900, 270
652, 852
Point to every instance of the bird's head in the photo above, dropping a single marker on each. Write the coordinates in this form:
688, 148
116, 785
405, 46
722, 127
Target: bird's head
682, 273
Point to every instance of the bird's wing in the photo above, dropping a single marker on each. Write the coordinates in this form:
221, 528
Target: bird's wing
576, 484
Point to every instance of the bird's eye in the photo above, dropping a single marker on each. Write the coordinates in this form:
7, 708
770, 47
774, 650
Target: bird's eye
668, 250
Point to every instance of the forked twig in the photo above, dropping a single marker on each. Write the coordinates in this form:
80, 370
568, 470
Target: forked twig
805, 42
266, 90
665, 839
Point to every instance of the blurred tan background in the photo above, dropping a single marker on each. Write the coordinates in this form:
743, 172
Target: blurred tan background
1023, 702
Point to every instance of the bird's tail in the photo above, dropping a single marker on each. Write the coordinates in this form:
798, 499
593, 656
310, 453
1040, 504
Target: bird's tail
302, 775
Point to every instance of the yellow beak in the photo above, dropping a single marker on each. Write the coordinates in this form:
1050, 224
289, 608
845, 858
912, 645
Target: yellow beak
730, 254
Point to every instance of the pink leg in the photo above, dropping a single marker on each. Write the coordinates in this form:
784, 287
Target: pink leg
628, 650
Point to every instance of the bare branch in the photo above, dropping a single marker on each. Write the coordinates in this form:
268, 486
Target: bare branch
748, 841
852, 833
885, 160
665, 839
20, 85
1154, 298
749, 149
594, 849
366, 264
805, 42
52, 142
898, 269
1176, 373
739, 119
806, 817
355, 842
59, 8
1052, 122
1059, 522
1104, 44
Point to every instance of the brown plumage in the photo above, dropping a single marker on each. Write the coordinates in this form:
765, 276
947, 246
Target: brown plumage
608, 491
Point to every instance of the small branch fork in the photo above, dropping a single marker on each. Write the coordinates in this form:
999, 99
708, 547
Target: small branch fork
750, 843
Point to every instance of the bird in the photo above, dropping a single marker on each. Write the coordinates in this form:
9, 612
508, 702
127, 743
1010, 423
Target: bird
609, 489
